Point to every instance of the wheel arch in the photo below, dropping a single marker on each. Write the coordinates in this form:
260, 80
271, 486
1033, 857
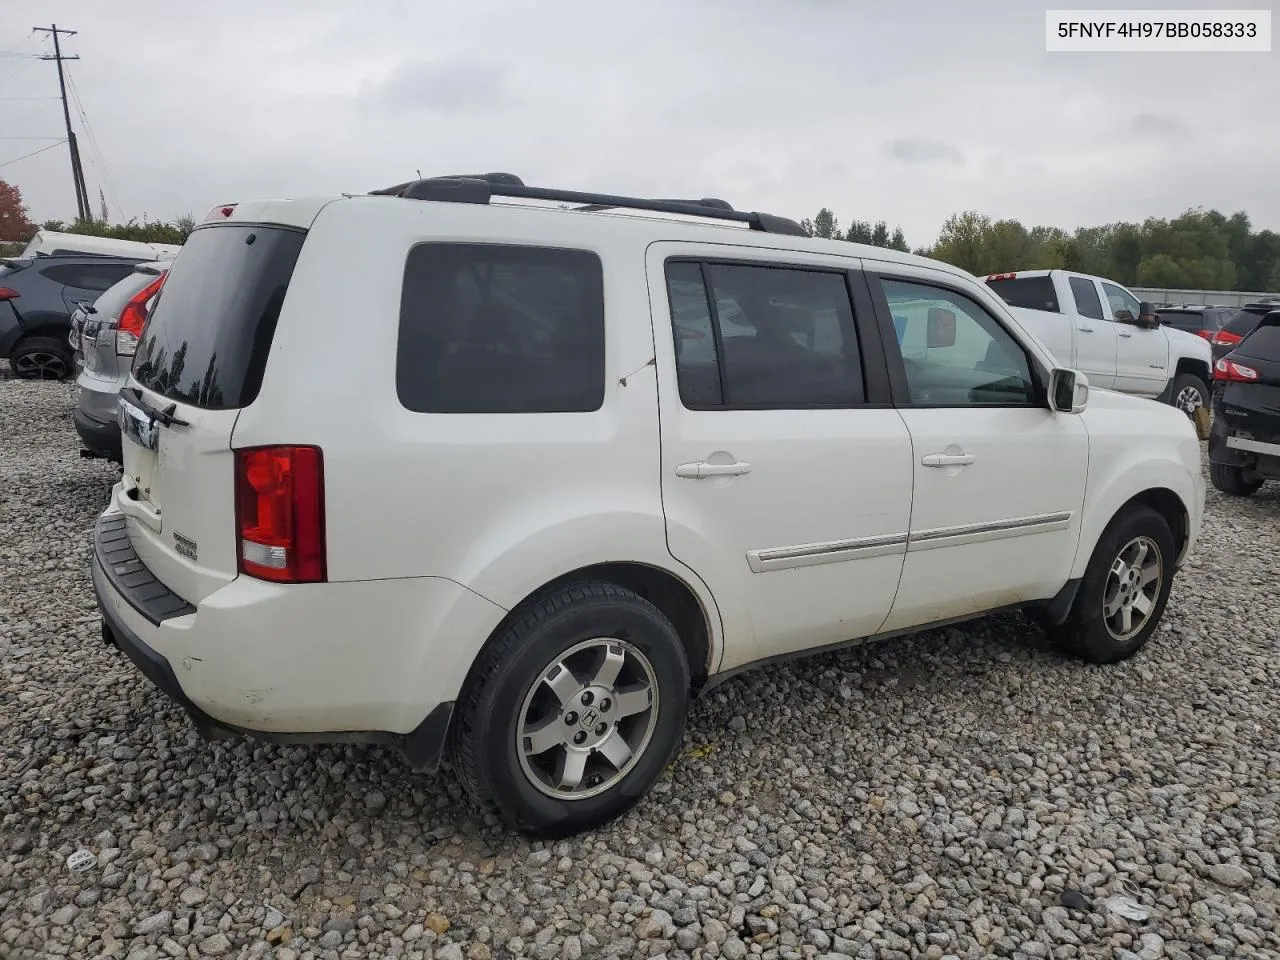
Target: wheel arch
1163, 500
1195, 367
692, 612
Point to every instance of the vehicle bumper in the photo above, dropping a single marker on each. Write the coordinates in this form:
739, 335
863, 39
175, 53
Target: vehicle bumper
100, 438
292, 664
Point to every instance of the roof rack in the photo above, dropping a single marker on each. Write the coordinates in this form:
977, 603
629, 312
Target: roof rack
482, 187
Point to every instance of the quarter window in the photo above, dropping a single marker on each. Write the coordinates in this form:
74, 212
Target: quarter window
955, 352
501, 329
763, 337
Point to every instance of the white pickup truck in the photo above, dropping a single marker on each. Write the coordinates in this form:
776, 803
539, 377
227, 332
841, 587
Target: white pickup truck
1097, 326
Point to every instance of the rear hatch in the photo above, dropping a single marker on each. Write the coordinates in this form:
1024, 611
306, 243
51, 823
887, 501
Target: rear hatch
199, 362
1249, 378
96, 324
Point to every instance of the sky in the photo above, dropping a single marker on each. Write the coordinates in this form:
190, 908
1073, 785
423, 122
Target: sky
906, 112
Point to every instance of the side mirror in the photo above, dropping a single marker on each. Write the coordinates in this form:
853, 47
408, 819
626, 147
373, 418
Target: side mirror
1147, 315
941, 328
1068, 391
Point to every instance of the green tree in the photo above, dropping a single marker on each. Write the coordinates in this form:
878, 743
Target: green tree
962, 241
1160, 270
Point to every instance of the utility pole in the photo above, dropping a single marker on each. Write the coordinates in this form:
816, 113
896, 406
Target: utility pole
83, 210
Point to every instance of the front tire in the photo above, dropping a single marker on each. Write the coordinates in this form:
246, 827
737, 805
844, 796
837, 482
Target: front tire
41, 358
1231, 480
1125, 588
1189, 393
570, 716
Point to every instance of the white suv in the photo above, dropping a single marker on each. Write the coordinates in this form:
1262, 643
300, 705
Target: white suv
505, 476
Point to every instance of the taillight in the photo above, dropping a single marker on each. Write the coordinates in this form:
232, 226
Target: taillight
134, 317
280, 513
1233, 372
1224, 338
1206, 334
8, 293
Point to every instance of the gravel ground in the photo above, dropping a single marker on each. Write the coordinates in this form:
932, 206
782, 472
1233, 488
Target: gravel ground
963, 792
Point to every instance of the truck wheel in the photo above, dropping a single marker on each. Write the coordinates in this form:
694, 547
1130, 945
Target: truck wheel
573, 713
1232, 480
1189, 393
1124, 590
41, 358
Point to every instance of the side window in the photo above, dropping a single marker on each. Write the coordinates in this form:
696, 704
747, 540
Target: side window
763, 336
1120, 300
89, 276
955, 352
1086, 296
500, 329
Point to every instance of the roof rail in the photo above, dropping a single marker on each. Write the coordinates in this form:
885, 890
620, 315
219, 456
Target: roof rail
481, 188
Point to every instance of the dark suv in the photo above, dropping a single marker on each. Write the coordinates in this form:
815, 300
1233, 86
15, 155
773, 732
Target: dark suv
1202, 321
37, 297
1244, 444
1240, 326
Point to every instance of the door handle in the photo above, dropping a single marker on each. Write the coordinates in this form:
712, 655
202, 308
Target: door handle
700, 469
947, 459
1126, 335
1085, 329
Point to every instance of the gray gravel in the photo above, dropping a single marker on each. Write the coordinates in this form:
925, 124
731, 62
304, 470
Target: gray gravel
965, 792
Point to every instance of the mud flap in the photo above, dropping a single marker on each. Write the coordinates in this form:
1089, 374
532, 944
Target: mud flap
1202, 420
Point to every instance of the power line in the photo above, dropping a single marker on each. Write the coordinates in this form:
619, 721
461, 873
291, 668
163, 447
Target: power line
59, 139
100, 160
77, 171
24, 59
33, 153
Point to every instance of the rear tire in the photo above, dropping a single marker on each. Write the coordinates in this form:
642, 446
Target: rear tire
572, 714
1131, 569
1231, 480
41, 358
1189, 393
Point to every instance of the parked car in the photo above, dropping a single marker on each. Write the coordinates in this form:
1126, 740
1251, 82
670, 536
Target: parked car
49, 243
1202, 321
1240, 325
37, 297
1098, 326
1244, 445
548, 494
108, 337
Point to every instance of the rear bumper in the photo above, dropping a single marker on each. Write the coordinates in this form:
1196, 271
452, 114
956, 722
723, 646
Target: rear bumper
253, 660
98, 437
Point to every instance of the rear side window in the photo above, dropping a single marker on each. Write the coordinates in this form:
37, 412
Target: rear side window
206, 341
1243, 322
1030, 293
763, 337
1088, 303
89, 276
1184, 320
489, 328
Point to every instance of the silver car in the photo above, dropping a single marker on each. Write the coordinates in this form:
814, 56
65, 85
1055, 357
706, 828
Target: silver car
104, 337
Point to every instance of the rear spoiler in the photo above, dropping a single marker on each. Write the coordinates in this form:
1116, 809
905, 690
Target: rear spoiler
18, 263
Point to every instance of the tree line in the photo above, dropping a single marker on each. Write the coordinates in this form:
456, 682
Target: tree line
1199, 250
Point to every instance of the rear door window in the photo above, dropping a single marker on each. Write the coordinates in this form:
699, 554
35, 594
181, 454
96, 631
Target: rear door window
490, 328
1088, 303
1031, 293
777, 338
206, 342
89, 276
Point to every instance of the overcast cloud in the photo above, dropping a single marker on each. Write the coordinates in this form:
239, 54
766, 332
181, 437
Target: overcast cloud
905, 112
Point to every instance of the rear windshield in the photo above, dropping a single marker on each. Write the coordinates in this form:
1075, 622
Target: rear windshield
1184, 320
1263, 343
1031, 293
207, 340
1242, 322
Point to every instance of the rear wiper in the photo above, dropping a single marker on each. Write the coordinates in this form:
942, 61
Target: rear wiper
162, 416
